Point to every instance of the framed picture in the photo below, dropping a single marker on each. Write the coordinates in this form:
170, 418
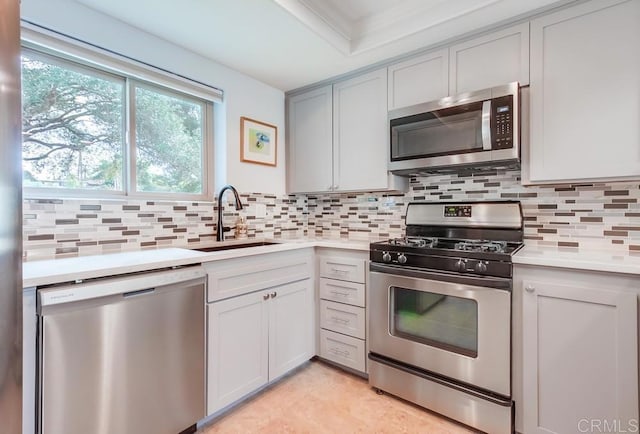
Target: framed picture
258, 142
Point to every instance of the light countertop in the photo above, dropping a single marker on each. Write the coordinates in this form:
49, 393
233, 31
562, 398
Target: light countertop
580, 259
51, 271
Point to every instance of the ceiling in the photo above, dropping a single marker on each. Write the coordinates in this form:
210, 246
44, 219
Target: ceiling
293, 43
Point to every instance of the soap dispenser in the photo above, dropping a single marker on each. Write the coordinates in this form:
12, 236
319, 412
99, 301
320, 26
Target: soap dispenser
241, 228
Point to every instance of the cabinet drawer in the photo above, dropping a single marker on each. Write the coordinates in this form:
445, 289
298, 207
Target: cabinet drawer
342, 349
237, 276
349, 269
342, 292
342, 318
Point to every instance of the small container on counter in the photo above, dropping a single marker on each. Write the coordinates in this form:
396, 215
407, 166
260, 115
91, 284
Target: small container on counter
241, 228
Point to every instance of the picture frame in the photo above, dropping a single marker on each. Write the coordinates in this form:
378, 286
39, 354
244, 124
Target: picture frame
258, 142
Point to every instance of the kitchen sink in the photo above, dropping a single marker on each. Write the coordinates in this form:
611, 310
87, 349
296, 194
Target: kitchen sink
236, 246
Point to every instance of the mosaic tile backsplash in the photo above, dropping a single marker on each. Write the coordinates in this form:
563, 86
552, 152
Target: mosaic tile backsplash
599, 215
594, 215
75, 227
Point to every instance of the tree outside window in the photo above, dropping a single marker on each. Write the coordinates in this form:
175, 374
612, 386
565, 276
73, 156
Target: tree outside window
75, 125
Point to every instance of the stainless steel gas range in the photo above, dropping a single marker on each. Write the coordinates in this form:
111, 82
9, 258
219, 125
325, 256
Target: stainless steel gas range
440, 311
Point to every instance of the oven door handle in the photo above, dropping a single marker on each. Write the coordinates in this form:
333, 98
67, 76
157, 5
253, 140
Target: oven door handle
482, 281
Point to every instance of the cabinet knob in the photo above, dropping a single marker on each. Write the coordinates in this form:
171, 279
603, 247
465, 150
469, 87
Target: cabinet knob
335, 187
330, 187
529, 288
274, 294
265, 297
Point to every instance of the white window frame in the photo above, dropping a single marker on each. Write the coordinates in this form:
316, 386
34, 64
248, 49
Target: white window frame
85, 57
131, 146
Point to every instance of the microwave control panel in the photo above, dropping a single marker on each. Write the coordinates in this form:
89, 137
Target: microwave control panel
502, 122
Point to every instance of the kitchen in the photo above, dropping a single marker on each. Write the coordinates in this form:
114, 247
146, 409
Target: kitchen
577, 199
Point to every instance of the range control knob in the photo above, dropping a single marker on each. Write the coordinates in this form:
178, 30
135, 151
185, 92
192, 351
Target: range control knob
460, 265
481, 267
386, 256
402, 259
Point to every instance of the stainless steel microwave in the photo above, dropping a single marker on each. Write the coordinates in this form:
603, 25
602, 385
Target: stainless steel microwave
476, 128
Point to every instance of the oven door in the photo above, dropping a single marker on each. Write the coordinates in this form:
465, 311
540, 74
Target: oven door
448, 325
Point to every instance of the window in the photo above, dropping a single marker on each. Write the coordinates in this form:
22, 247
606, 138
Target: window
72, 126
98, 132
169, 137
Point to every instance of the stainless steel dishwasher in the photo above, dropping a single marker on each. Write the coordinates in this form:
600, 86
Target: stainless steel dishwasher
123, 355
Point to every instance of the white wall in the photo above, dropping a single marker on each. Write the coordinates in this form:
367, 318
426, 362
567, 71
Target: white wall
244, 96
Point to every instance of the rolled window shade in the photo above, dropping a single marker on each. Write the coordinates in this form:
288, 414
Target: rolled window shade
41, 39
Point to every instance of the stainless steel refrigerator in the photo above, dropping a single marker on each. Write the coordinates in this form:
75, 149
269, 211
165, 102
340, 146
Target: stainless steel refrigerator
10, 221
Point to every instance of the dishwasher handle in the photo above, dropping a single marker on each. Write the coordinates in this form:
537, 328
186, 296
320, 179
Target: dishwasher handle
138, 292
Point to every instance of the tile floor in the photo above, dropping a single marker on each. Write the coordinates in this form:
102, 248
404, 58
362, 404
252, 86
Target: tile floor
319, 398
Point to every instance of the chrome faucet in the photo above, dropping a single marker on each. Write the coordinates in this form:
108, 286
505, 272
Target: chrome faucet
220, 228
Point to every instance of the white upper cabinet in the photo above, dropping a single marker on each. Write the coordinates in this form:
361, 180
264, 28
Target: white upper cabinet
310, 141
337, 137
360, 132
420, 79
491, 60
585, 93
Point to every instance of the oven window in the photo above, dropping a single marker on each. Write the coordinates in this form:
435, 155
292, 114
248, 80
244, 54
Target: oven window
442, 321
437, 133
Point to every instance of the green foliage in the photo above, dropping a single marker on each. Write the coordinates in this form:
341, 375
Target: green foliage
74, 124
169, 141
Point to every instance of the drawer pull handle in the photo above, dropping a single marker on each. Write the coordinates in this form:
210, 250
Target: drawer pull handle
341, 320
336, 270
338, 352
342, 294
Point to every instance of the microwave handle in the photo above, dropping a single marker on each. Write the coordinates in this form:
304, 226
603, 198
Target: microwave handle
486, 125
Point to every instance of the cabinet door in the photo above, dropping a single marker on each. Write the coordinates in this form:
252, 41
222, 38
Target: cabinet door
585, 93
310, 141
291, 321
360, 132
580, 357
491, 60
238, 340
419, 79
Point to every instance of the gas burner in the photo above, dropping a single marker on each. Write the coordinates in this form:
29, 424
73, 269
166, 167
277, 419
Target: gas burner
414, 242
481, 246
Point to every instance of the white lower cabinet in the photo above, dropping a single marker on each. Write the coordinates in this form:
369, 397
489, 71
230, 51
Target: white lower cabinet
342, 308
255, 338
290, 327
578, 364
260, 322
238, 348
342, 318
342, 349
